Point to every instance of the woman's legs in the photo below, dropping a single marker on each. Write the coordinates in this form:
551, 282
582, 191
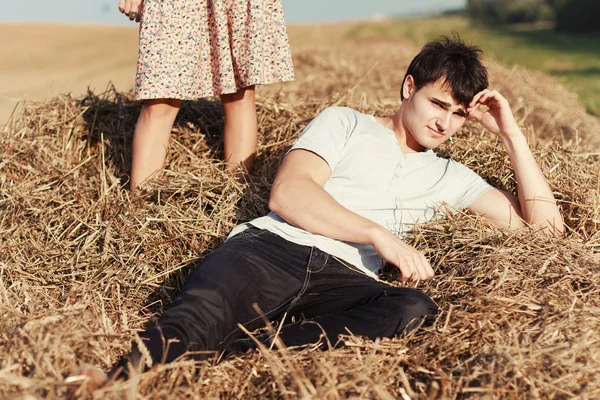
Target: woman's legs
241, 128
151, 138
153, 129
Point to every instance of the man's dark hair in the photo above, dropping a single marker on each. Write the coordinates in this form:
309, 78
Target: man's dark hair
455, 62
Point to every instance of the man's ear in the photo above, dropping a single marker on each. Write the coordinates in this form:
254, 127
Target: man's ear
409, 86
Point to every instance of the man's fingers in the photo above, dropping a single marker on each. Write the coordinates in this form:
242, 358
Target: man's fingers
406, 271
491, 96
486, 96
477, 114
413, 264
424, 270
477, 98
414, 267
122, 6
406, 264
427, 272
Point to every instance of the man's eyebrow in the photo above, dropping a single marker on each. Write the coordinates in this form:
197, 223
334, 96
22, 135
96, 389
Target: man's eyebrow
448, 105
442, 102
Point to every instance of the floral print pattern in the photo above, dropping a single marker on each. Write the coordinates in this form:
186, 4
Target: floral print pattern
191, 49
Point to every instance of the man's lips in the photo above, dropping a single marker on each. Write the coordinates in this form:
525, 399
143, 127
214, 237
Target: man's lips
436, 132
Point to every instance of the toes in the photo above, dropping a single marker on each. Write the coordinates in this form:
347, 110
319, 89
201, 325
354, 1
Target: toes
94, 377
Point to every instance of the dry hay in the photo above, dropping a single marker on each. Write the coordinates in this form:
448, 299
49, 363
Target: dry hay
83, 266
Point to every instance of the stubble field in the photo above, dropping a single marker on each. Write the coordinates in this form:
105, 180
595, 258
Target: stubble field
83, 266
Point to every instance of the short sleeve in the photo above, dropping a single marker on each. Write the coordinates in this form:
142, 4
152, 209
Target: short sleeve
327, 134
469, 184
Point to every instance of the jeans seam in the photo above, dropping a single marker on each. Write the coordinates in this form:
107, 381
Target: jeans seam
289, 307
237, 329
354, 269
305, 283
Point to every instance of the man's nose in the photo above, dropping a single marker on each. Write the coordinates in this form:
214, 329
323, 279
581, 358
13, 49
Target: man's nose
443, 121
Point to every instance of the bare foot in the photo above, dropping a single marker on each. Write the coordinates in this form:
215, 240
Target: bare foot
86, 378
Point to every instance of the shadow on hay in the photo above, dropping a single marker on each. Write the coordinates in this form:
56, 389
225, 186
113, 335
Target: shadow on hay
111, 117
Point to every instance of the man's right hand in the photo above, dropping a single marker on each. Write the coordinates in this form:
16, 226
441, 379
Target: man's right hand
412, 263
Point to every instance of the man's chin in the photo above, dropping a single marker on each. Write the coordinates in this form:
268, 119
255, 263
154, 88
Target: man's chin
432, 144
428, 142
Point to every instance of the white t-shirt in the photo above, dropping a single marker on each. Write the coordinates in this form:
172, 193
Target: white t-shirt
372, 177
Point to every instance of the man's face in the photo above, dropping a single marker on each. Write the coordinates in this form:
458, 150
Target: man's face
431, 115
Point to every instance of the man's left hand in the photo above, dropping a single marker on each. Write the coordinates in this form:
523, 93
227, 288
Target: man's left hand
498, 118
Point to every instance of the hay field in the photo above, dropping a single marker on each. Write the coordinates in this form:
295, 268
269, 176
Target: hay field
38, 61
83, 266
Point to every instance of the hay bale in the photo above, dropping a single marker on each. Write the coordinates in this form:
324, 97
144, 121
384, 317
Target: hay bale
83, 266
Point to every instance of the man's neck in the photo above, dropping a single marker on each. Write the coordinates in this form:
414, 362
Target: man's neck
405, 139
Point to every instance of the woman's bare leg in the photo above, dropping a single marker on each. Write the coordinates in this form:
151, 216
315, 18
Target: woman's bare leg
241, 128
151, 138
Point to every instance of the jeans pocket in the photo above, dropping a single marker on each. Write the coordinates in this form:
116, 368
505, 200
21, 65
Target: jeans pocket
318, 260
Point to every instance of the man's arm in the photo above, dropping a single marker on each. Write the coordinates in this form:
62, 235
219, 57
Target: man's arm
535, 203
298, 197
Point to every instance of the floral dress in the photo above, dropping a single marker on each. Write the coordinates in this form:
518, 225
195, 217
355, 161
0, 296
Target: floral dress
198, 48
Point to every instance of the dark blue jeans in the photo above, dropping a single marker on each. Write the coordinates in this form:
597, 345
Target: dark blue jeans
323, 296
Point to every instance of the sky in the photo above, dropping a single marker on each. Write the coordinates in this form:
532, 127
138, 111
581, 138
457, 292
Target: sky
296, 11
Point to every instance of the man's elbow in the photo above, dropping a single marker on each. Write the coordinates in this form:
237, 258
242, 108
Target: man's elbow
276, 198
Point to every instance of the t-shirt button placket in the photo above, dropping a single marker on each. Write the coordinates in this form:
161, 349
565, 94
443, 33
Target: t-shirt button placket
398, 171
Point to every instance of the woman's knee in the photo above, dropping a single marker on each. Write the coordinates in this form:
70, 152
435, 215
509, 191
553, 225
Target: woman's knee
244, 96
161, 108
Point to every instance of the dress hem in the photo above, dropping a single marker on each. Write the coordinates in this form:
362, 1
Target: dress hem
213, 93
